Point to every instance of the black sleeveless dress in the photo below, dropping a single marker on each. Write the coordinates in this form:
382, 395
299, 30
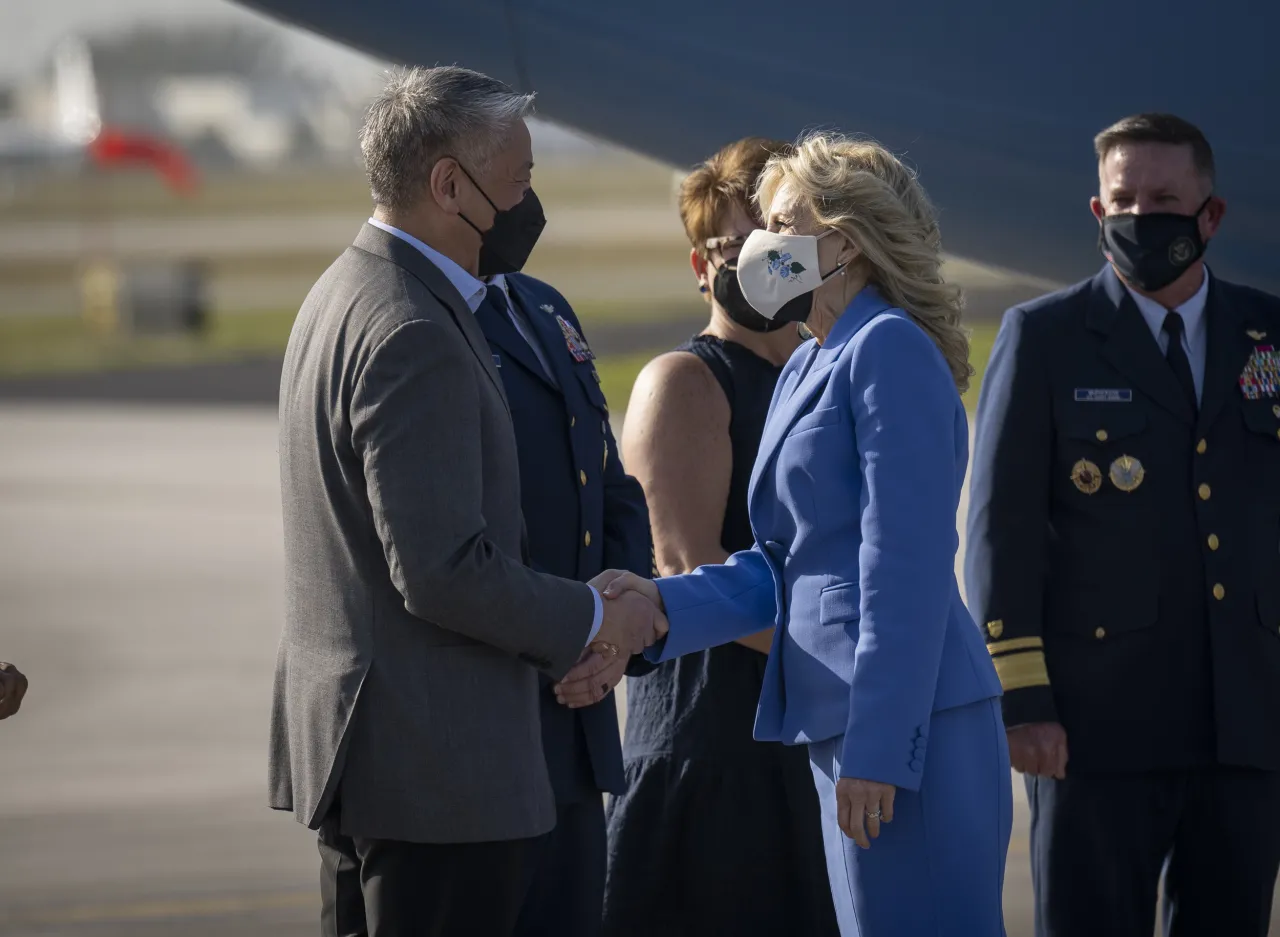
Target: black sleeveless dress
717, 833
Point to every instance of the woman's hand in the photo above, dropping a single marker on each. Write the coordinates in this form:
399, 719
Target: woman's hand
861, 806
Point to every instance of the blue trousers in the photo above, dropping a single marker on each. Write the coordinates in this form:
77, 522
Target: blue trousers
938, 869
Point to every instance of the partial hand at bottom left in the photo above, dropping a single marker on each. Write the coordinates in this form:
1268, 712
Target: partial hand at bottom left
13, 687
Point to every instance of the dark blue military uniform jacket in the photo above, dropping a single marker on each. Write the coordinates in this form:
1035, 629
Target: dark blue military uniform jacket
1123, 550
582, 512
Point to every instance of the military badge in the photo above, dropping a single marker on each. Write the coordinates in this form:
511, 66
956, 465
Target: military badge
1255, 334
1261, 375
577, 344
1086, 476
1127, 473
548, 309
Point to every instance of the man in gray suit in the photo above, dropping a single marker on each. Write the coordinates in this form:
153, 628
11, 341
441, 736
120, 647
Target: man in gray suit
405, 722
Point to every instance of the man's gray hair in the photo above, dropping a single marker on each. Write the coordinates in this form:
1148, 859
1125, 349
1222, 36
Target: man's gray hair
425, 114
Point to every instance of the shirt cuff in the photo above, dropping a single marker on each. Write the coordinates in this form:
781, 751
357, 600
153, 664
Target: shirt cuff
599, 617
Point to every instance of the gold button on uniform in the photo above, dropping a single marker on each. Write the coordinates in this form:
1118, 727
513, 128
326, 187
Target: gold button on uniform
1204, 492
1102, 435
995, 628
1219, 593
582, 476
1213, 541
586, 539
1201, 446
573, 421
1100, 633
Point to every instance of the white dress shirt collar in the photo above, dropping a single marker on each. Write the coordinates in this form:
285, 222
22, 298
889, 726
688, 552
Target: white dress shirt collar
1192, 312
472, 290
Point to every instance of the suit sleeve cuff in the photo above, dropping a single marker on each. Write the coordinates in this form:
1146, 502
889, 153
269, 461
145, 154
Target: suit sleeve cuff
1028, 705
1024, 677
598, 620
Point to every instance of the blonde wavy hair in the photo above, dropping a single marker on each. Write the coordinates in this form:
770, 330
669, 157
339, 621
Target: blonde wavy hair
860, 189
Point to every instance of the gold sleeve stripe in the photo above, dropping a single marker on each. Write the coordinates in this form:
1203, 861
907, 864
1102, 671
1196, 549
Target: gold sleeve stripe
1019, 671
1015, 644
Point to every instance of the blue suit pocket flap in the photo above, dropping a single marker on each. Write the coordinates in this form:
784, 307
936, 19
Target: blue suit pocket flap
827, 416
839, 603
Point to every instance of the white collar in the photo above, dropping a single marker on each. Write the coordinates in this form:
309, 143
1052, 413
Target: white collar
1192, 311
472, 290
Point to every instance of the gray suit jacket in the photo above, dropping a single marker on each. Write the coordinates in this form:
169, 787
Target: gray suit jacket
406, 681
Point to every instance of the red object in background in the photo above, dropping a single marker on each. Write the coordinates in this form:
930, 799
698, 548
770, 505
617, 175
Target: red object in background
113, 149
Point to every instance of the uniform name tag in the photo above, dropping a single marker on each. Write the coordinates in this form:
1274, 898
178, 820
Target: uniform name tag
1103, 395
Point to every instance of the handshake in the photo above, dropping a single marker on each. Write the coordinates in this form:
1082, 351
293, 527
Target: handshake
633, 620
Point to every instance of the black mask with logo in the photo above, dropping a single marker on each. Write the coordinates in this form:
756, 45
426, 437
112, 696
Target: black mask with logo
506, 246
1151, 251
725, 288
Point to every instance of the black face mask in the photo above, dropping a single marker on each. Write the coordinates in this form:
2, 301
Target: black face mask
728, 294
1151, 251
506, 246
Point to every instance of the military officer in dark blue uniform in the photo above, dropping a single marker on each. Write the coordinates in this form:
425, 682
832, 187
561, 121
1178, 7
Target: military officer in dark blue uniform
584, 515
1124, 557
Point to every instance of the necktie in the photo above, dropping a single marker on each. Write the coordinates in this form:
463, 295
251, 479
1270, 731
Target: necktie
495, 300
1176, 355
495, 304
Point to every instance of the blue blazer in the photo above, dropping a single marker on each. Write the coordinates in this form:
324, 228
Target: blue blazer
853, 503
583, 514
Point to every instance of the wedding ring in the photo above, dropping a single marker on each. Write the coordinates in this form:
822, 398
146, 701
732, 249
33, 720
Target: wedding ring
605, 649
875, 816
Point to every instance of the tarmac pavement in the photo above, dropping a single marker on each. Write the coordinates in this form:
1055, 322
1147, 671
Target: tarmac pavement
140, 589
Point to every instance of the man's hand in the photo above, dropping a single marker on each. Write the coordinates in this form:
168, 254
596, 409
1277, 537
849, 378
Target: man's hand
613, 583
604, 662
13, 687
632, 621
861, 806
1039, 748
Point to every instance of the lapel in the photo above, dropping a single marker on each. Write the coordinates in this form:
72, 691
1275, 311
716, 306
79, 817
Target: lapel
501, 332
1227, 354
545, 327
1129, 346
389, 247
811, 376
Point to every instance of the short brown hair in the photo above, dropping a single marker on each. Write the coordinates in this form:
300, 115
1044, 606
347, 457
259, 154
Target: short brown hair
726, 179
1158, 128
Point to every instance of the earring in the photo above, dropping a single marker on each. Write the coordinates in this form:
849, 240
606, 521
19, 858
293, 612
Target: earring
702, 288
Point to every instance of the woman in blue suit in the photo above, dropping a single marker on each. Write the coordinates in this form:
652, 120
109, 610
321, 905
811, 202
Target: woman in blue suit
876, 664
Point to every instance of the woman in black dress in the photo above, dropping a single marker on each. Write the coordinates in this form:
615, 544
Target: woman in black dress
717, 833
